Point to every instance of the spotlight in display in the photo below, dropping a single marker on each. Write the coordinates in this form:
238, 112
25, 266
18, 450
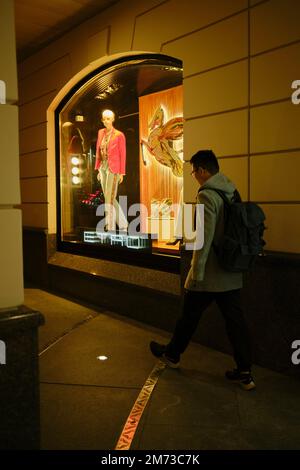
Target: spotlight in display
75, 180
75, 161
75, 170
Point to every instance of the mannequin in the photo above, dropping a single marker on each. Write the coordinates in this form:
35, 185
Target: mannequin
111, 164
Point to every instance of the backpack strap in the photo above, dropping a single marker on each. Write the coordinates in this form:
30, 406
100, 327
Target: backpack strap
227, 204
236, 195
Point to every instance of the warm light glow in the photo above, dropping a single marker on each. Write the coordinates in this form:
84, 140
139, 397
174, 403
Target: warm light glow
75, 161
75, 170
75, 180
102, 358
67, 124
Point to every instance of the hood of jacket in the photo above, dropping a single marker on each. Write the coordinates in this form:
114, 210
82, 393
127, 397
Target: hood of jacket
221, 182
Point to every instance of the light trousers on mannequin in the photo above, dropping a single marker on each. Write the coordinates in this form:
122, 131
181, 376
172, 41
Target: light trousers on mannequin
109, 182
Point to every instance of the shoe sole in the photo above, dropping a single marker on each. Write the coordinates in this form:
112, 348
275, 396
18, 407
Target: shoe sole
250, 386
168, 363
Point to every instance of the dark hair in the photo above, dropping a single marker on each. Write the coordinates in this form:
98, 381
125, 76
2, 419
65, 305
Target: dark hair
205, 159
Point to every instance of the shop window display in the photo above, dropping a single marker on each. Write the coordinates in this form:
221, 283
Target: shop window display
120, 161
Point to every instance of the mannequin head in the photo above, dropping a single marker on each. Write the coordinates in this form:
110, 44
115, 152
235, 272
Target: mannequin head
108, 118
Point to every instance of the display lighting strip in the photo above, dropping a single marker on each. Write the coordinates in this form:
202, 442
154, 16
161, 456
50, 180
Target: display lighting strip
75, 170
129, 241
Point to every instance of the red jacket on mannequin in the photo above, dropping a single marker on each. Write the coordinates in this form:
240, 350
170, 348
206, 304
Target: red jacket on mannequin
116, 151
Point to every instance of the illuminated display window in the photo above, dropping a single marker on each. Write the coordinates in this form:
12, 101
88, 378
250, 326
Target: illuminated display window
119, 143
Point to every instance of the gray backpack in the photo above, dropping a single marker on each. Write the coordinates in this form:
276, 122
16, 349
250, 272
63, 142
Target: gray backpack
242, 240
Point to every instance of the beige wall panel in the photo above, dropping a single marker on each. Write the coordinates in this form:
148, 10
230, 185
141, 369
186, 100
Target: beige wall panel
11, 258
274, 23
225, 134
275, 127
98, 44
9, 155
33, 164
175, 18
45, 80
55, 50
215, 91
75, 42
45, 56
34, 215
190, 184
8, 65
237, 171
283, 222
78, 57
275, 177
69, 42
273, 73
122, 26
235, 168
219, 44
33, 138
34, 112
34, 190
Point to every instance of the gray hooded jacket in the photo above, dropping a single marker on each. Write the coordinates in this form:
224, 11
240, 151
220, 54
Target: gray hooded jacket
205, 273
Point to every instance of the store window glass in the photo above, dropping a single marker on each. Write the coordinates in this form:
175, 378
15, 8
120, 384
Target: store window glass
120, 160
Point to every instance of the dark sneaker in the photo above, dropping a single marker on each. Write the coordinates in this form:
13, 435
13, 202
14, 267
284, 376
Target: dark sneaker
160, 351
244, 378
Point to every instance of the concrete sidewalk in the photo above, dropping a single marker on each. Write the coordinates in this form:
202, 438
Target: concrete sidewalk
85, 402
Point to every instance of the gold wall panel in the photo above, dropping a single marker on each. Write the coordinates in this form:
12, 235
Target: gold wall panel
8, 66
33, 164
35, 112
11, 259
176, 18
273, 73
98, 44
217, 90
275, 177
275, 127
46, 79
237, 171
225, 134
216, 45
283, 222
34, 190
35, 215
274, 23
33, 138
9, 155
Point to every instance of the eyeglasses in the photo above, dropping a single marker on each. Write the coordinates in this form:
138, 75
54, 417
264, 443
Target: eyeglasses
196, 169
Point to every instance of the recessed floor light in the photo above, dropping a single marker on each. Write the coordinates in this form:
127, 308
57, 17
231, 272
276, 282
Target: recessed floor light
102, 358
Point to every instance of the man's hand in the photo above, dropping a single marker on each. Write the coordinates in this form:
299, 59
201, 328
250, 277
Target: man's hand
98, 176
121, 179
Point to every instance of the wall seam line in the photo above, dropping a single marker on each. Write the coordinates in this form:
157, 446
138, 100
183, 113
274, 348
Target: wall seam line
209, 25
217, 67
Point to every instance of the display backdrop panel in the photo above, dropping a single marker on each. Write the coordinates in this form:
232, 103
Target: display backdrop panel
161, 158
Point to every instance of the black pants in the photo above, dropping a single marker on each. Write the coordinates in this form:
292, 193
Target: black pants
194, 304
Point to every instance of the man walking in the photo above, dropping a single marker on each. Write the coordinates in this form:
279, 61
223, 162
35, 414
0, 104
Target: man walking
207, 281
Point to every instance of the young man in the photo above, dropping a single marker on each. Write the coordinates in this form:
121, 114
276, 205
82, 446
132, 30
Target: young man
207, 281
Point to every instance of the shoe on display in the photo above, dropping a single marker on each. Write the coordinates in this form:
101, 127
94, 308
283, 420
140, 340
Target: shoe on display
174, 242
243, 378
160, 351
